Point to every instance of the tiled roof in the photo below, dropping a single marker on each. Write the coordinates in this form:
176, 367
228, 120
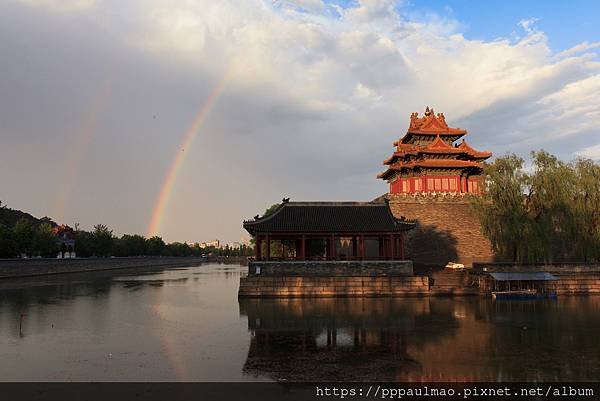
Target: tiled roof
338, 217
429, 163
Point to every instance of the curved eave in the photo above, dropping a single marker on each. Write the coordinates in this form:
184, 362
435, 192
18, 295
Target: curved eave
386, 174
451, 136
451, 131
435, 163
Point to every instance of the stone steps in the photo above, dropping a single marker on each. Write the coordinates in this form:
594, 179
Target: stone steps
452, 282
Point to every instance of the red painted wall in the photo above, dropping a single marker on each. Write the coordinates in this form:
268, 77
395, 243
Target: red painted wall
435, 183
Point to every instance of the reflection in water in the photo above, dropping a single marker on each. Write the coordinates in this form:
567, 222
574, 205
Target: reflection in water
187, 324
436, 339
154, 325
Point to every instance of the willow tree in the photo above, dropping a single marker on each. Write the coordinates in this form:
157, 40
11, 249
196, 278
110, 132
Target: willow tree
502, 209
549, 205
550, 213
585, 225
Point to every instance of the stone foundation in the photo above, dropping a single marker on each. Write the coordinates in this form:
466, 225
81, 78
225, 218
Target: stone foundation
329, 268
447, 229
392, 286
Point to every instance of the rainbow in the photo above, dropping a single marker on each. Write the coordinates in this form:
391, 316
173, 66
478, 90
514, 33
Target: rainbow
72, 163
169, 181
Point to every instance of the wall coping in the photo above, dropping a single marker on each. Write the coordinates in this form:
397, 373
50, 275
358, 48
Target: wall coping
565, 267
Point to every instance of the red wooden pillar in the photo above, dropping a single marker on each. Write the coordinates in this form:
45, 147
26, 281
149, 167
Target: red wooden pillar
303, 247
464, 185
391, 247
268, 252
402, 246
361, 247
332, 247
354, 247
381, 243
257, 245
297, 248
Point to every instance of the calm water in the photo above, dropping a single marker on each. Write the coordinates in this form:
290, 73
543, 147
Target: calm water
187, 324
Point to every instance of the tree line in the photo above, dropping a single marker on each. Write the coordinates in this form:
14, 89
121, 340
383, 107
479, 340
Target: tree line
25, 238
549, 212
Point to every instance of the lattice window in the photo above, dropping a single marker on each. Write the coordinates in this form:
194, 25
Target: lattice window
453, 184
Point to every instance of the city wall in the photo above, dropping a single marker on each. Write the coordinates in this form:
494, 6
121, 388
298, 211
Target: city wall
447, 229
12, 268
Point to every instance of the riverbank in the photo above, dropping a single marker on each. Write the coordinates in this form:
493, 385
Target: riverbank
288, 279
14, 268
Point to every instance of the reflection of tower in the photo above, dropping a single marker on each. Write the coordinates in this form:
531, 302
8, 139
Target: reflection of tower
336, 339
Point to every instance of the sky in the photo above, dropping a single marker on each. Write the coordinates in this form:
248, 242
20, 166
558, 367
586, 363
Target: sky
184, 118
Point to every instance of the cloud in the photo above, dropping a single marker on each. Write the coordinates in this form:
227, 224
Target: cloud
592, 152
581, 47
528, 24
317, 93
61, 5
306, 5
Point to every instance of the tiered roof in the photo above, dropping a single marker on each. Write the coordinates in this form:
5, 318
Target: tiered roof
428, 143
328, 217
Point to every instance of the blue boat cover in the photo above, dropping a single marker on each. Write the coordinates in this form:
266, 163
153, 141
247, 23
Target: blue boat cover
528, 276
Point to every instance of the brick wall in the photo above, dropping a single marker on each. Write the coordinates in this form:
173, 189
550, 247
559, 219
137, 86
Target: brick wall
447, 229
330, 268
289, 287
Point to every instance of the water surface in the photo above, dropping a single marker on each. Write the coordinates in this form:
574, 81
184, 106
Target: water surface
187, 324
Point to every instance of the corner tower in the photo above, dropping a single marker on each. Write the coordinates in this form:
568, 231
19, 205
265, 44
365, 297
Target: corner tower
427, 159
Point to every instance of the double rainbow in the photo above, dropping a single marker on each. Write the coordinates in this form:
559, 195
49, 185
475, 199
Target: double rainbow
166, 190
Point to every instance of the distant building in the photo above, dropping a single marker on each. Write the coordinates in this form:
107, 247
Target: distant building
214, 243
65, 237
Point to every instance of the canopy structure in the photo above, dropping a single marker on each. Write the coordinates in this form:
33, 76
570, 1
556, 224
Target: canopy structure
523, 276
329, 230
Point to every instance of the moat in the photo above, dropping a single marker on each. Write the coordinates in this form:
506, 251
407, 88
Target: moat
188, 324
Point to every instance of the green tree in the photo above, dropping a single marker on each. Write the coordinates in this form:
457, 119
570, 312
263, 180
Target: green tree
8, 245
130, 245
102, 240
23, 233
155, 246
551, 213
45, 242
84, 243
502, 209
585, 223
